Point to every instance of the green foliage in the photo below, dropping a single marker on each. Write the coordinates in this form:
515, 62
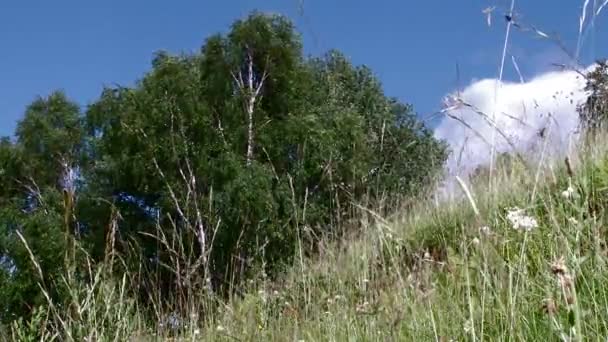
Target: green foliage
324, 136
51, 137
30, 330
214, 166
43, 231
11, 166
33, 206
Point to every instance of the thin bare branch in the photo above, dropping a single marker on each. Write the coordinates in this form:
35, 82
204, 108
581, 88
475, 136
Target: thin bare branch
239, 80
601, 7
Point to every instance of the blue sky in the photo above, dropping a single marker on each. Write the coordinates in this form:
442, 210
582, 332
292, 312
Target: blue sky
413, 46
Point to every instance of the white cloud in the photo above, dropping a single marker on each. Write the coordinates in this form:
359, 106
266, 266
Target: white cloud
547, 102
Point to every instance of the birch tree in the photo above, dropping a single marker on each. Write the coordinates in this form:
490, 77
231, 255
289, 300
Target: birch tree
251, 91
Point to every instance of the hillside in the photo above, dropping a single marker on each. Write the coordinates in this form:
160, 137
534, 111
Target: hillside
477, 268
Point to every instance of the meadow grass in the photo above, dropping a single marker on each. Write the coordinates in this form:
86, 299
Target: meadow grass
459, 269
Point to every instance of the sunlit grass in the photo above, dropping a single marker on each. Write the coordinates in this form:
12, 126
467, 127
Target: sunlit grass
433, 272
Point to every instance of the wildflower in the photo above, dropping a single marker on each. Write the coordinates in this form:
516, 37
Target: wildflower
196, 332
220, 328
485, 230
475, 241
568, 193
519, 220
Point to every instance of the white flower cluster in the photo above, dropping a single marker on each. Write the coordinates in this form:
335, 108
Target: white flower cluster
520, 221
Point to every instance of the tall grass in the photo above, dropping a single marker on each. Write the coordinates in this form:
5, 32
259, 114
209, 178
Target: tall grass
457, 271
451, 273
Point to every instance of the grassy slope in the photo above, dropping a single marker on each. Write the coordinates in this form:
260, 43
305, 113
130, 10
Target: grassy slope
430, 273
434, 274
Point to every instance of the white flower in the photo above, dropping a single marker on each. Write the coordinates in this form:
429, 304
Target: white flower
519, 220
475, 241
568, 193
220, 328
485, 230
573, 221
196, 332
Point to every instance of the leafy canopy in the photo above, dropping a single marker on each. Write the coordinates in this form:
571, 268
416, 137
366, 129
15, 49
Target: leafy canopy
214, 165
